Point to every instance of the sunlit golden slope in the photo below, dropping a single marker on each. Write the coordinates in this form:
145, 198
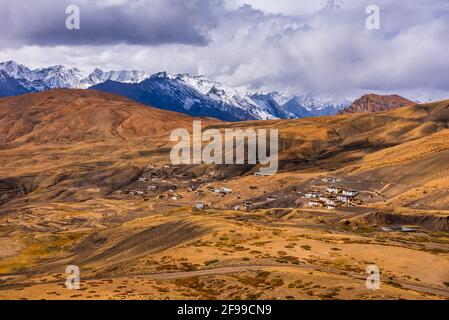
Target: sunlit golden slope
66, 138
69, 157
66, 116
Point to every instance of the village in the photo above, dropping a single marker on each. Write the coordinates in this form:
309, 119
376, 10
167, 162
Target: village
335, 196
173, 184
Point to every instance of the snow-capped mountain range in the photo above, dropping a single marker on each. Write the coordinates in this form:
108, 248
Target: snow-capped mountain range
194, 95
62, 77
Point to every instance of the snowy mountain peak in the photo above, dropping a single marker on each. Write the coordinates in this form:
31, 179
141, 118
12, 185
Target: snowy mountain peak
276, 96
59, 76
15, 70
163, 75
196, 95
99, 76
307, 106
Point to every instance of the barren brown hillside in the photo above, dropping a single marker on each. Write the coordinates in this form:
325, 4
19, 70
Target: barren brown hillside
65, 142
66, 116
376, 103
86, 180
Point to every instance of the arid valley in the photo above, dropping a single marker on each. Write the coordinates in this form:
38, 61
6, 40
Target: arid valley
86, 180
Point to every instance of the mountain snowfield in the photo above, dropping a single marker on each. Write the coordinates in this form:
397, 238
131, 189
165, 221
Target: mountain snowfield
194, 95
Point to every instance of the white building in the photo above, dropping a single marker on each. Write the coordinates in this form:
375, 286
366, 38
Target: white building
350, 193
312, 194
249, 205
200, 205
344, 199
315, 203
334, 189
223, 190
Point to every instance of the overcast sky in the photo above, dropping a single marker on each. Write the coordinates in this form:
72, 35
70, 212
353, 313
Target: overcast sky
320, 47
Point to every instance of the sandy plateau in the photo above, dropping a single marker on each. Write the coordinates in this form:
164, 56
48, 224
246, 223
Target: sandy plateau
85, 180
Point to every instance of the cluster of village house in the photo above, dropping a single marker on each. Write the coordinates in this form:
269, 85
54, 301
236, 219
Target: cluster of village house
150, 182
154, 180
334, 196
249, 205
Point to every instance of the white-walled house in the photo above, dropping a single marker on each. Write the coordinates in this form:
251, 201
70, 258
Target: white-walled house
350, 193
200, 205
344, 199
333, 189
315, 203
312, 194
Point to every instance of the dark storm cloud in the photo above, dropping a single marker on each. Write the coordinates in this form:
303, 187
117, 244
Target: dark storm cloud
106, 22
300, 46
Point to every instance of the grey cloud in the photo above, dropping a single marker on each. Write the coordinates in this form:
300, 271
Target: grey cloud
142, 22
327, 52
336, 54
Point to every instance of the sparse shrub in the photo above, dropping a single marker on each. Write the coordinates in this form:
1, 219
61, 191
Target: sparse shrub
253, 296
208, 263
188, 266
263, 274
